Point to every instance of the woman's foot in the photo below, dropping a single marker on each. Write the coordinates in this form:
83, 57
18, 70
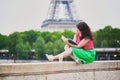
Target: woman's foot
50, 57
78, 61
60, 58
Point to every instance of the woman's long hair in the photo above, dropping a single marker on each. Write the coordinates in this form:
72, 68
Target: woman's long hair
85, 30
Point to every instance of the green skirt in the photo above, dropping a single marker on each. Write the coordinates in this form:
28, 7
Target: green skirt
86, 56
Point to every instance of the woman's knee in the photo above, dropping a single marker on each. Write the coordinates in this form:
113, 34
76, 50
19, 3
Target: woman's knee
70, 49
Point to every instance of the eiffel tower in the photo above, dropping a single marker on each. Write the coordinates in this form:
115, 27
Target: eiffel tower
60, 16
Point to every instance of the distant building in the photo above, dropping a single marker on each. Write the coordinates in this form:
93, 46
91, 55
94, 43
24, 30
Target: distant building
61, 16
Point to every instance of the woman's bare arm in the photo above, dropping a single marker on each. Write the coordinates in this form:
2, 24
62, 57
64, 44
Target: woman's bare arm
81, 44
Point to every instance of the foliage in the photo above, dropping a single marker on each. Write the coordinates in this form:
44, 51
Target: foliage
38, 45
14, 38
46, 36
107, 37
68, 34
49, 48
23, 50
4, 42
58, 46
30, 36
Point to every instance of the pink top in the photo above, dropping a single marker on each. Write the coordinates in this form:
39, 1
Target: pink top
77, 37
89, 45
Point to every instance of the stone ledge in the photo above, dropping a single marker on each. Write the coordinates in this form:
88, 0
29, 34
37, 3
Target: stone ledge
17, 69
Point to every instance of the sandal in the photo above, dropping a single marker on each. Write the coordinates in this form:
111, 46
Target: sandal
78, 61
50, 57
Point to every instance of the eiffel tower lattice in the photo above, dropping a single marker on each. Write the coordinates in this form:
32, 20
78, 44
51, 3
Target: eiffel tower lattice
60, 16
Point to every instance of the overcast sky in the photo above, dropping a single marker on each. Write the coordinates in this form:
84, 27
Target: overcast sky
21, 15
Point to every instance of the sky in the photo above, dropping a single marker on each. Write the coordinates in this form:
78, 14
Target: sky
22, 15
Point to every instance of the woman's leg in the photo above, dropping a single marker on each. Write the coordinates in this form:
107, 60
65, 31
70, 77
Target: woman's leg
72, 57
64, 54
66, 47
60, 56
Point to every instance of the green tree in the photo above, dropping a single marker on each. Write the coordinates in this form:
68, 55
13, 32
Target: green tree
46, 35
68, 34
58, 46
49, 48
23, 50
55, 36
107, 37
14, 38
30, 36
4, 42
38, 45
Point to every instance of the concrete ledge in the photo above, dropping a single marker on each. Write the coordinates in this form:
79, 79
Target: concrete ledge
43, 68
19, 61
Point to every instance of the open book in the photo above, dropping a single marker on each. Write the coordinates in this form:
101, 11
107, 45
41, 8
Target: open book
69, 40
72, 42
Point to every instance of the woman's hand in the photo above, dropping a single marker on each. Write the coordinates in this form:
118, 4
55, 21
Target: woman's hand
64, 39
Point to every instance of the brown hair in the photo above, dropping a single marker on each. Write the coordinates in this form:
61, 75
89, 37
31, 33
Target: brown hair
85, 30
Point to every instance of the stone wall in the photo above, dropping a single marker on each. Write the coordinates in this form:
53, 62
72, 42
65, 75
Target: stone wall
99, 70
